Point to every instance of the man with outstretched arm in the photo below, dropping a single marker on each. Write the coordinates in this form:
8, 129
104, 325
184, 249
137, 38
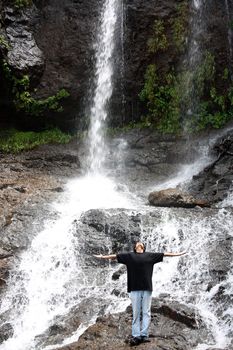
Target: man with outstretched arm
139, 281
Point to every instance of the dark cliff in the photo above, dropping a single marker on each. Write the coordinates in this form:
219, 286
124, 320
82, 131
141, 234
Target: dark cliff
53, 43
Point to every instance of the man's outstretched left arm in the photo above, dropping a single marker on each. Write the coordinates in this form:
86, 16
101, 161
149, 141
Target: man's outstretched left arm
175, 254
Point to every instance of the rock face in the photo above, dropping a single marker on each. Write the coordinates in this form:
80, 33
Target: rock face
28, 182
24, 55
53, 42
172, 197
168, 319
139, 18
215, 181
119, 227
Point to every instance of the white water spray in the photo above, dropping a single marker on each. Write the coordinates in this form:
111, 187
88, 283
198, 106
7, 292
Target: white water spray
103, 90
188, 279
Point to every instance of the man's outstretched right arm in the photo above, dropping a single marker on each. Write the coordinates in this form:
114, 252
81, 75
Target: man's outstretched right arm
106, 257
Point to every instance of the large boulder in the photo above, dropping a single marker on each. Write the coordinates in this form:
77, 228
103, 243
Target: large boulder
99, 231
173, 197
173, 326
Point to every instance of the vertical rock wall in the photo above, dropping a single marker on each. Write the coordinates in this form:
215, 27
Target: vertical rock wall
53, 42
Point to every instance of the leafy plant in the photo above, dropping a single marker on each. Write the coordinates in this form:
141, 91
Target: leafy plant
179, 25
24, 101
162, 99
20, 4
16, 141
204, 73
4, 43
159, 40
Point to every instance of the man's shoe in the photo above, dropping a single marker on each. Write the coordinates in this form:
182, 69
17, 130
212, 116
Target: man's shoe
134, 341
144, 339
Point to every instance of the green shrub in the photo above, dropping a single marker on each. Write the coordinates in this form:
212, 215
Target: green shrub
14, 141
159, 40
24, 101
204, 73
4, 43
180, 26
20, 4
162, 98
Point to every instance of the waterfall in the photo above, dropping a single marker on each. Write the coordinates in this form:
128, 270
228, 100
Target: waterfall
190, 281
103, 89
193, 58
52, 276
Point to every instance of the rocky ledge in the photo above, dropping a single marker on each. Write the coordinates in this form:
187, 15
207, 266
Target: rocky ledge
28, 182
173, 326
173, 197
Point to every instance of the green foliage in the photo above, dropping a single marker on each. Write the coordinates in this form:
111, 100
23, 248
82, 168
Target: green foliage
204, 73
214, 112
4, 43
219, 100
179, 26
159, 40
168, 95
162, 98
231, 24
24, 101
205, 119
14, 141
20, 4
225, 75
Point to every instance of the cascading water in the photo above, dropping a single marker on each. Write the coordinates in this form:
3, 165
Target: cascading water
193, 58
103, 90
52, 276
49, 279
190, 281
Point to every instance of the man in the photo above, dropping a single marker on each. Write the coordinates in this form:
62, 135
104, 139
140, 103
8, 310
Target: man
139, 280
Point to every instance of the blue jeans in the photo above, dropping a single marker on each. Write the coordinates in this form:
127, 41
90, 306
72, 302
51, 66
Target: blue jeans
141, 301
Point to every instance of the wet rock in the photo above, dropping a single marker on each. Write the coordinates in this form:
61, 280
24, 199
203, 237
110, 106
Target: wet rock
5, 266
167, 330
172, 197
116, 275
28, 183
6, 331
99, 228
64, 326
24, 56
215, 181
177, 312
220, 253
4, 254
143, 157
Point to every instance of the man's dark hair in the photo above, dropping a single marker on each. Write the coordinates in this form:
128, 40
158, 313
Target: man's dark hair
134, 247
